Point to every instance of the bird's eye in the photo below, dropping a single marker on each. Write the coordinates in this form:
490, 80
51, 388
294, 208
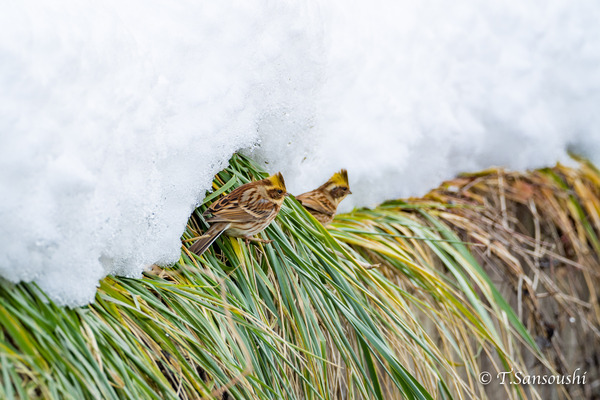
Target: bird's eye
345, 189
279, 191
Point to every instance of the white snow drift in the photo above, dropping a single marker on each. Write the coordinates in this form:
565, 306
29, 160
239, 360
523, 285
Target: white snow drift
114, 117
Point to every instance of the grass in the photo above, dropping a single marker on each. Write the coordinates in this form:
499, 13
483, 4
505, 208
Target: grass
393, 302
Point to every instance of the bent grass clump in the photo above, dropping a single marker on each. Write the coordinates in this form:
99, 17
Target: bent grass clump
394, 302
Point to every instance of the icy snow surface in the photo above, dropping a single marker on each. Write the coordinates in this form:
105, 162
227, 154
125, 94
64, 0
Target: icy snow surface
115, 115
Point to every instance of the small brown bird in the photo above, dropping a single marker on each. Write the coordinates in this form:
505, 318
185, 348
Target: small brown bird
322, 202
244, 212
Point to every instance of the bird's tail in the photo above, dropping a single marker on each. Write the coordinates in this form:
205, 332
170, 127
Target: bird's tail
209, 237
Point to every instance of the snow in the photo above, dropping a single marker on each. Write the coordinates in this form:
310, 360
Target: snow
114, 117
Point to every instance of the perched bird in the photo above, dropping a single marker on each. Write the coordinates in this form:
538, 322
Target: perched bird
324, 200
244, 212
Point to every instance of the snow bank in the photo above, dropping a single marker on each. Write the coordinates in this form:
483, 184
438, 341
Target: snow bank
114, 117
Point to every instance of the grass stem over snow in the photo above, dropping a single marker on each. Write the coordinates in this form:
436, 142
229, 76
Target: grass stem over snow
394, 302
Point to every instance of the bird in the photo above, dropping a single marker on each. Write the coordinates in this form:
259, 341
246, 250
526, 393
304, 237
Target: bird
244, 212
322, 202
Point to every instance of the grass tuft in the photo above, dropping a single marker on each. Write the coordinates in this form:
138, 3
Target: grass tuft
401, 301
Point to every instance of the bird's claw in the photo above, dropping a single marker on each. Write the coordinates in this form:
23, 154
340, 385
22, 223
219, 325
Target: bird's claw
252, 239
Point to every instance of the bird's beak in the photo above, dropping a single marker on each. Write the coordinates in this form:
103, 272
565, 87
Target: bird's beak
286, 194
349, 191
